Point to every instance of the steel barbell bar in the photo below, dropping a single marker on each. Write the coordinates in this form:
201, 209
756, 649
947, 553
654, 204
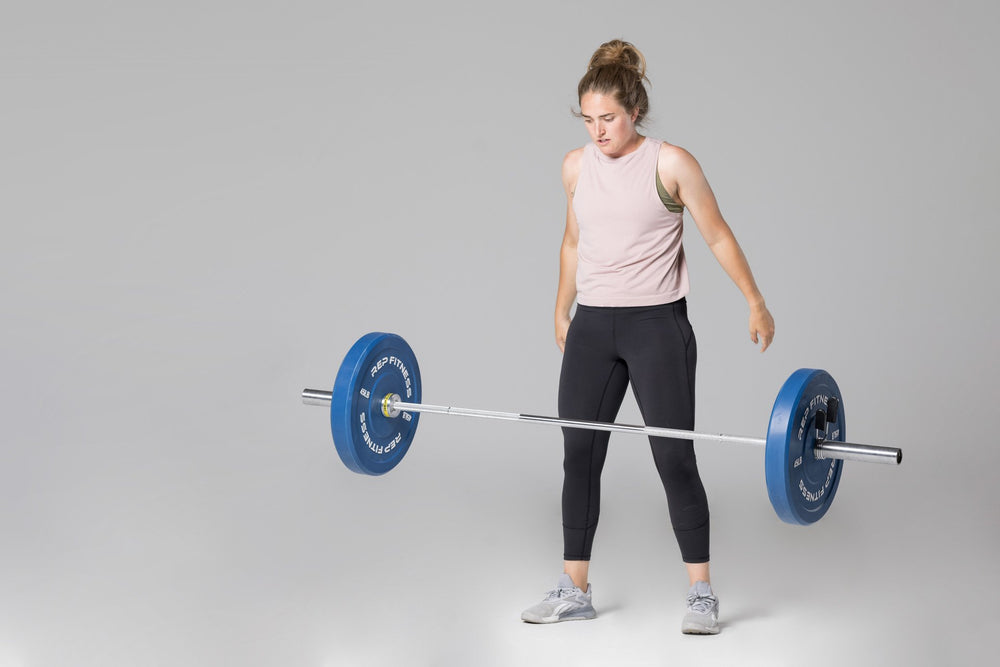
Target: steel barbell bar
393, 406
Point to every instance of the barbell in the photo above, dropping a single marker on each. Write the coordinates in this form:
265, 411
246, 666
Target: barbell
375, 406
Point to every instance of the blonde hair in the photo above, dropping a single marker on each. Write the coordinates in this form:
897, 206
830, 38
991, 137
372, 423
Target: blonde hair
617, 69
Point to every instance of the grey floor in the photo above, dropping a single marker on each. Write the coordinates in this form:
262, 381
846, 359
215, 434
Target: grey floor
204, 205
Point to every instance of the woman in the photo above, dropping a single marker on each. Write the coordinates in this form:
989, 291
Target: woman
623, 263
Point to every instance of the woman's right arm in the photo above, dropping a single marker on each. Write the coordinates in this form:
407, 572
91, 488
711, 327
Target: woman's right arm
566, 293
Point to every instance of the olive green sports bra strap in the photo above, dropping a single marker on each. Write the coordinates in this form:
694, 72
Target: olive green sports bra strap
665, 197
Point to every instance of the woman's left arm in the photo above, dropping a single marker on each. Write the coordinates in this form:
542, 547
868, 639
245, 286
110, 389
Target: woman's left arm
696, 194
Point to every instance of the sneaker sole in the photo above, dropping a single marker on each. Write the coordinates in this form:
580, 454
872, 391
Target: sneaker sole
699, 630
558, 619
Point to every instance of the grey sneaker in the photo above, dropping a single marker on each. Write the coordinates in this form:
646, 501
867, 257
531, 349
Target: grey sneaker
702, 617
565, 602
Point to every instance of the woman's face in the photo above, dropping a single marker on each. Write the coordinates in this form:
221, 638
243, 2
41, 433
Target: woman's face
610, 126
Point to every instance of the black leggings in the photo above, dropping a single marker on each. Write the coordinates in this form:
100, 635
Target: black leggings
654, 348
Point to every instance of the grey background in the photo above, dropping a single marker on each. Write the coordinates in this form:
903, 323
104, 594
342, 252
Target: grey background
205, 204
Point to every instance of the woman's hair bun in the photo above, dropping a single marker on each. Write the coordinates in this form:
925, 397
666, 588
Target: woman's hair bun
619, 53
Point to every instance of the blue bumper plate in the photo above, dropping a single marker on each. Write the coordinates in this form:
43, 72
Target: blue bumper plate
377, 365
800, 486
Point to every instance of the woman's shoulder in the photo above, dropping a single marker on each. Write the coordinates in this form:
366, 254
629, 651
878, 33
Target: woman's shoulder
671, 154
675, 163
574, 157
571, 164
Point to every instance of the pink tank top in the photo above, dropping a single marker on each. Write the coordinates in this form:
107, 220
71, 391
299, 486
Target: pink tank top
630, 251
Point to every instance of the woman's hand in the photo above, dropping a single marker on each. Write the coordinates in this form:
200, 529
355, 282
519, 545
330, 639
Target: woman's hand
761, 326
562, 326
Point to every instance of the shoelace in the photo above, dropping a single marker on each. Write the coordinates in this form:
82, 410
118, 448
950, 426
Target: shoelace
701, 604
559, 593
